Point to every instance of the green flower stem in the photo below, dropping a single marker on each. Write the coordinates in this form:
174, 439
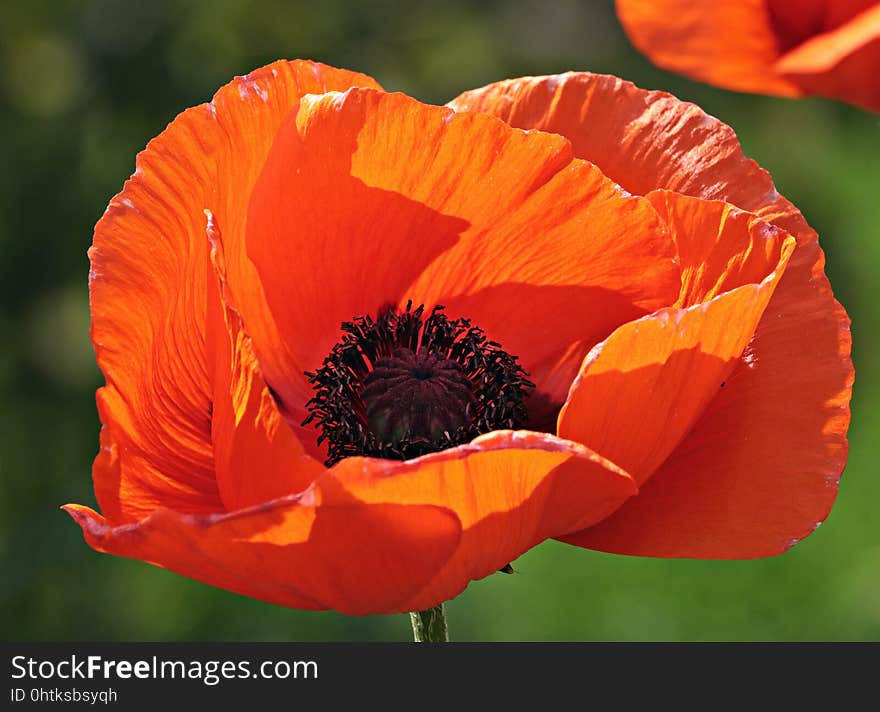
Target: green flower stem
430, 626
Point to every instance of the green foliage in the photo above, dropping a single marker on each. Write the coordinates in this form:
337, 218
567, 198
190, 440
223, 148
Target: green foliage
85, 84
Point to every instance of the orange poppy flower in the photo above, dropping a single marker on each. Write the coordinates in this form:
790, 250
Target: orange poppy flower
786, 47
681, 377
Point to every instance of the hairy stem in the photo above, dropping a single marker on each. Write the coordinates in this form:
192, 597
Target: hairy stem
430, 626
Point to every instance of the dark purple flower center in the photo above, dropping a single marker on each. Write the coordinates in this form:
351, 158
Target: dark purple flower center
401, 386
419, 396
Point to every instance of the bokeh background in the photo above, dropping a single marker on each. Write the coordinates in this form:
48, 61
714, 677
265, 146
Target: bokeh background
84, 84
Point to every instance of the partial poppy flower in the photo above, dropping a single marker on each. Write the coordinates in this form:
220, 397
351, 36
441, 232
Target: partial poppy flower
361, 350
829, 48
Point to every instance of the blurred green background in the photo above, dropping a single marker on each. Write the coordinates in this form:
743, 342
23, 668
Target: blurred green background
84, 85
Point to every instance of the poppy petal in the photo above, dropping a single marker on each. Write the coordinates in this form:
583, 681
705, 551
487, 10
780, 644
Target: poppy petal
148, 287
276, 90
647, 140
381, 536
841, 64
510, 491
760, 470
296, 551
720, 247
643, 140
131, 486
728, 43
795, 21
641, 390
385, 186
574, 261
257, 457
146, 327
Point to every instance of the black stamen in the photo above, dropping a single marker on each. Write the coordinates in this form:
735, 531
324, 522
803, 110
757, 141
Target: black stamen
402, 386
